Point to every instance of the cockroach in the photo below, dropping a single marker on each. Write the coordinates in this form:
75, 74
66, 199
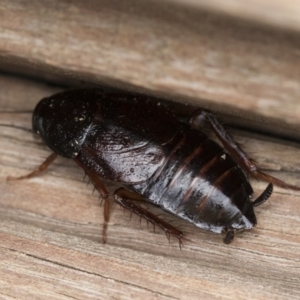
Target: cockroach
136, 141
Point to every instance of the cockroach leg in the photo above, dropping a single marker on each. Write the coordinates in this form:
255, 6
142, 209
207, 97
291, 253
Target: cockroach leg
121, 197
234, 149
100, 187
107, 205
126, 194
268, 178
39, 170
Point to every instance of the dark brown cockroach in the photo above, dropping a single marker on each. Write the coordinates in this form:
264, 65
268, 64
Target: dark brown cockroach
135, 141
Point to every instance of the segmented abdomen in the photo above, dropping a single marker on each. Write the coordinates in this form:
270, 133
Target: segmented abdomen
199, 182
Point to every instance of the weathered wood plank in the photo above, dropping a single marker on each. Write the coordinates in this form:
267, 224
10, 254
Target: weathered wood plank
279, 13
160, 46
50, 231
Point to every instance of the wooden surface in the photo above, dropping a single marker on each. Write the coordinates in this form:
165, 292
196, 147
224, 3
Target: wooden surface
169, 47
279, 13
50, 230
189, 51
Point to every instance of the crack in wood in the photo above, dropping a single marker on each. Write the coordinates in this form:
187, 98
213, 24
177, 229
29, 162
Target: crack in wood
91, 273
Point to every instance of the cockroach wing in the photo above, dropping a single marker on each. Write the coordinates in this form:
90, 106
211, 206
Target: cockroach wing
125, 140
144, 117
117, 154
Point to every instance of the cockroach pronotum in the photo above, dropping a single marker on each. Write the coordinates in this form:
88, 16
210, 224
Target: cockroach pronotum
135, 141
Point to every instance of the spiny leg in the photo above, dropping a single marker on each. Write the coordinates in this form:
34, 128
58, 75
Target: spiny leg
126, 194
238, 154
125, 199
100, 187
37, 171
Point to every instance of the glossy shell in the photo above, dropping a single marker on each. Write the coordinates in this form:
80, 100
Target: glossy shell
137, 142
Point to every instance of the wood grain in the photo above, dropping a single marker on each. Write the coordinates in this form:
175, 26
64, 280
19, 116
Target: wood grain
164, 47
50, 230
279, 13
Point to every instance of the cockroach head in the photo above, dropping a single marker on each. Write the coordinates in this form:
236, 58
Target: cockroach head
63, 120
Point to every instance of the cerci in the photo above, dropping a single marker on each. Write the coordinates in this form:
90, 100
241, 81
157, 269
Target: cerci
137, 142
